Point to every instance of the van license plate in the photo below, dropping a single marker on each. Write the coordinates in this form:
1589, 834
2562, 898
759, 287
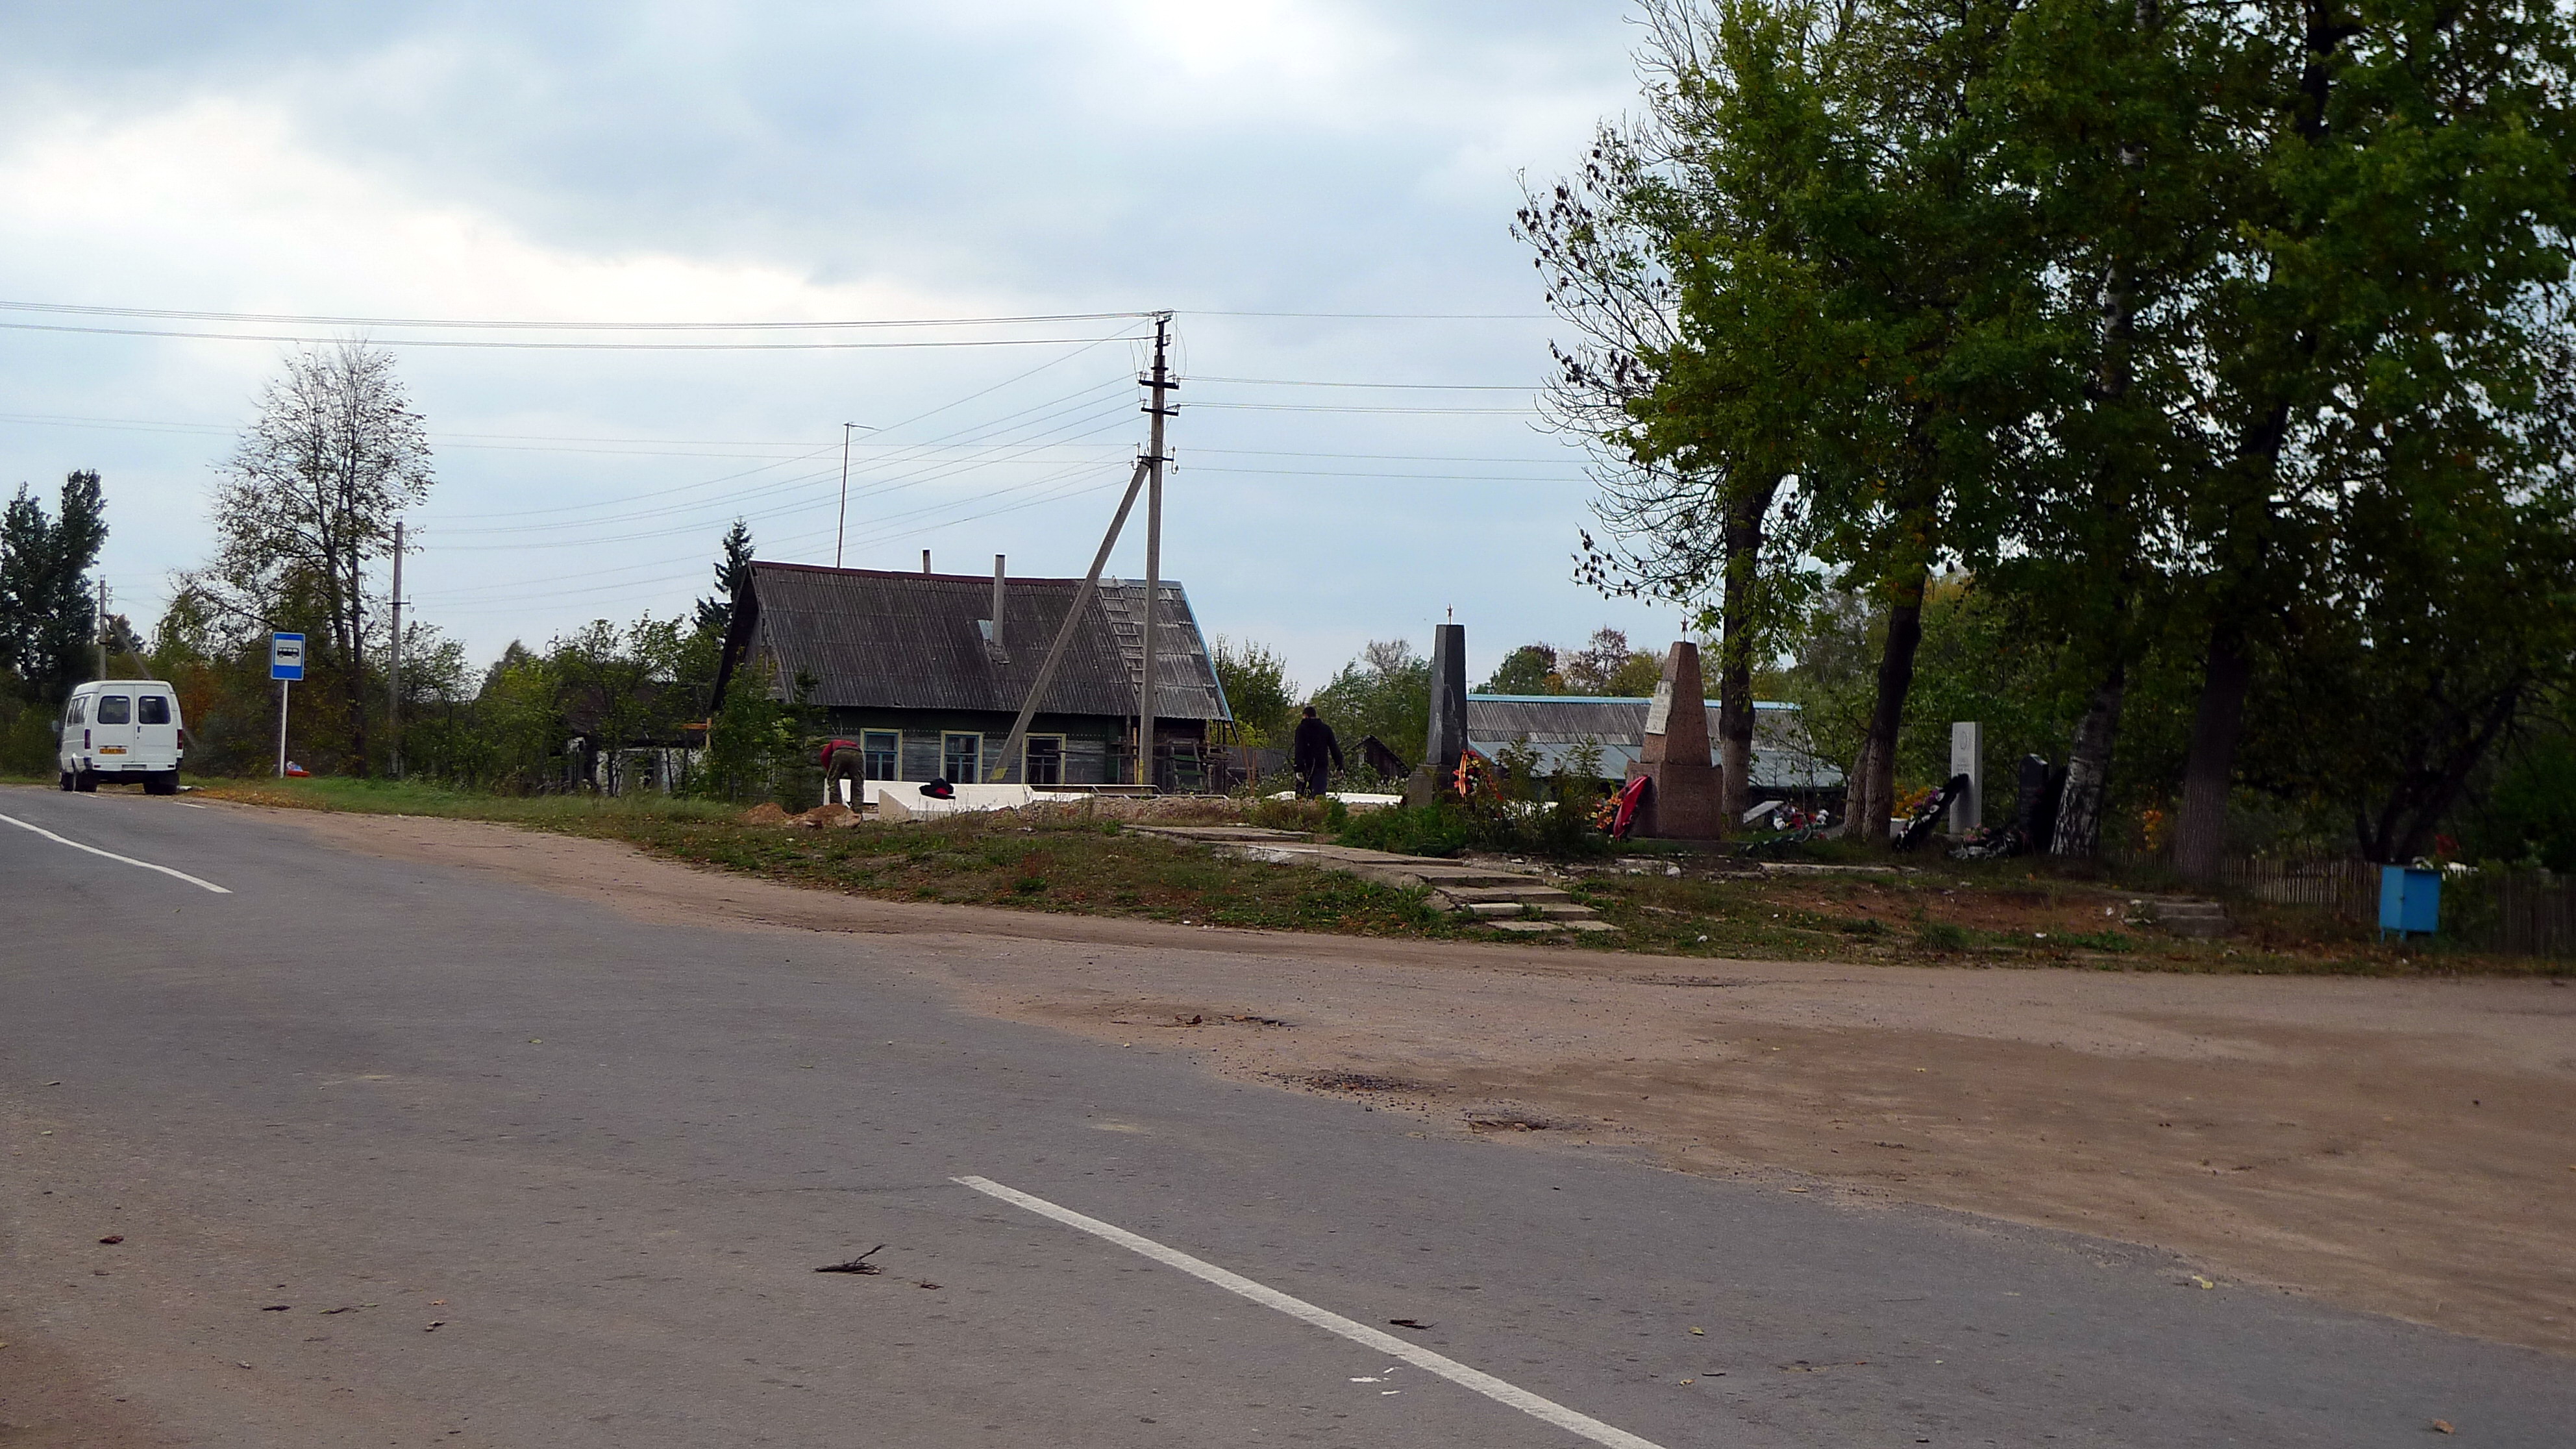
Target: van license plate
111, 749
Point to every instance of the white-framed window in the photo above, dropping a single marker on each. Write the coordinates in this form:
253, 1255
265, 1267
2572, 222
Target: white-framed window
882, 753
1042, 763
961, 757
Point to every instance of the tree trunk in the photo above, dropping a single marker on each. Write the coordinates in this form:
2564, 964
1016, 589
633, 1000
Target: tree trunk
2088, 768
1735, 654
2433, 792
1875, 771
2200, 836
1856, 804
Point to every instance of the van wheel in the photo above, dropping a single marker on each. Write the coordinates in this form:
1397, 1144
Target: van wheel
85, 781
162, 782
67, 779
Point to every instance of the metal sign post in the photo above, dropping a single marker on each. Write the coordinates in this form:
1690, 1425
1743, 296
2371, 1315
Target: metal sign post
285, 665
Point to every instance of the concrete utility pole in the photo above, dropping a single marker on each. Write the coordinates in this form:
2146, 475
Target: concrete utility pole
1161, 383
393, 662
102, 628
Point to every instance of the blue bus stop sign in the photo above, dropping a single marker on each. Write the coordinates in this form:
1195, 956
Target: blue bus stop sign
286, 656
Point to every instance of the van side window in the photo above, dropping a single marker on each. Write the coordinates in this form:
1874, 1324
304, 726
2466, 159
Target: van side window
80, 712
115, 709
152, 709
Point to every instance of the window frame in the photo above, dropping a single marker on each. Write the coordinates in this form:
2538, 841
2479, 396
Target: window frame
869, 755
105, 700
948, 756
1029, 776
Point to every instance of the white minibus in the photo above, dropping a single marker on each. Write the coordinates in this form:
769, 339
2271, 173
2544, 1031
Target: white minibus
123, 729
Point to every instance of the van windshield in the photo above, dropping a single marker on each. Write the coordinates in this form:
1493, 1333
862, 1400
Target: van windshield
152, 709
115, 709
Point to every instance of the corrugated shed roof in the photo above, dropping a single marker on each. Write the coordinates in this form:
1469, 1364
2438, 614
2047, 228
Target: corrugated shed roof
889, 640
1552, 724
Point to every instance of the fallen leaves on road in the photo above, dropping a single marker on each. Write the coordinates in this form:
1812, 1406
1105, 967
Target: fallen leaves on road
1413, 1323
113, 1238
277, 1308
2443, 1426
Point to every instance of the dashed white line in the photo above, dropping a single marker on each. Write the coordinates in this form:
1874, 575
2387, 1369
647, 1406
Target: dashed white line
112, 855
1422, 1358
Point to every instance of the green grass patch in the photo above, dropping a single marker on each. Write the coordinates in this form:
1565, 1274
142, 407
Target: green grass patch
1071, 864
1091, 867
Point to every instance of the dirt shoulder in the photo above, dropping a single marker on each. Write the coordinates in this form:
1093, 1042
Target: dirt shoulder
2398, 1146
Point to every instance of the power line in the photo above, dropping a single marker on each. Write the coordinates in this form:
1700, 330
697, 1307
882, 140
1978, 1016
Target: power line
169, 314
566, 346
1355, 408
1115, 417
1385, 316
1416, 386
1372, 457
1388, 477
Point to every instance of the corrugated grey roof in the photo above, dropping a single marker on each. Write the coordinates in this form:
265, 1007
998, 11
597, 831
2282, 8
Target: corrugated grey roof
1553, 724
889, 640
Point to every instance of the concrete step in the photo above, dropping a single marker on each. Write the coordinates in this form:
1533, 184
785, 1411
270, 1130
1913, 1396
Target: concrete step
1553, 910
1525, 892
1455, 878
2192, 920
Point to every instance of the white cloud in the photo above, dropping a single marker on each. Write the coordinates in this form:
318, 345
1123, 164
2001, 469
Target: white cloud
721, 162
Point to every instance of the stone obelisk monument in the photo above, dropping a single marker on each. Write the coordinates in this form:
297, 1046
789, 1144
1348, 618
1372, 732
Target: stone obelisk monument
1683, 802
1446, 740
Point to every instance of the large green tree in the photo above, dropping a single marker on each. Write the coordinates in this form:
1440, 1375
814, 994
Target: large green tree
1824, 279
47, 609
2391, 302
308, 500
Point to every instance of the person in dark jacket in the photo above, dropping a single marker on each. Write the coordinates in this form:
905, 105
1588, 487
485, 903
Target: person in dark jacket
1309, 750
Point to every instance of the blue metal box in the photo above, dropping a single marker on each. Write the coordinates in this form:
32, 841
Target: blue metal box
2410, 900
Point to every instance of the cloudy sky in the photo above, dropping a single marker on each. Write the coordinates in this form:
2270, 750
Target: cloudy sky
1321, 191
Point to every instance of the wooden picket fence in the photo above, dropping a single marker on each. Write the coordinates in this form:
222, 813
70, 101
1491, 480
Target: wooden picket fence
2519, 912
2348, 888
2538, 915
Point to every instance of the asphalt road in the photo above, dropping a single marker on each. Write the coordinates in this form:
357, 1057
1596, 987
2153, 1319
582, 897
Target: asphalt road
402, 1156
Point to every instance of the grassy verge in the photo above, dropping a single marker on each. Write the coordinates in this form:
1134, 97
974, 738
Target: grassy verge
1075, 866
2000, 913
2003, 913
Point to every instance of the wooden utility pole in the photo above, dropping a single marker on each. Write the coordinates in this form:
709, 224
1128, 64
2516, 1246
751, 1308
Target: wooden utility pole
841, 529
1073, 620
393, 662
1161, 383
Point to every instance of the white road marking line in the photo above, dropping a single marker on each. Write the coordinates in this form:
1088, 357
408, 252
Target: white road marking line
191, 804
1422, 1358
112, 855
